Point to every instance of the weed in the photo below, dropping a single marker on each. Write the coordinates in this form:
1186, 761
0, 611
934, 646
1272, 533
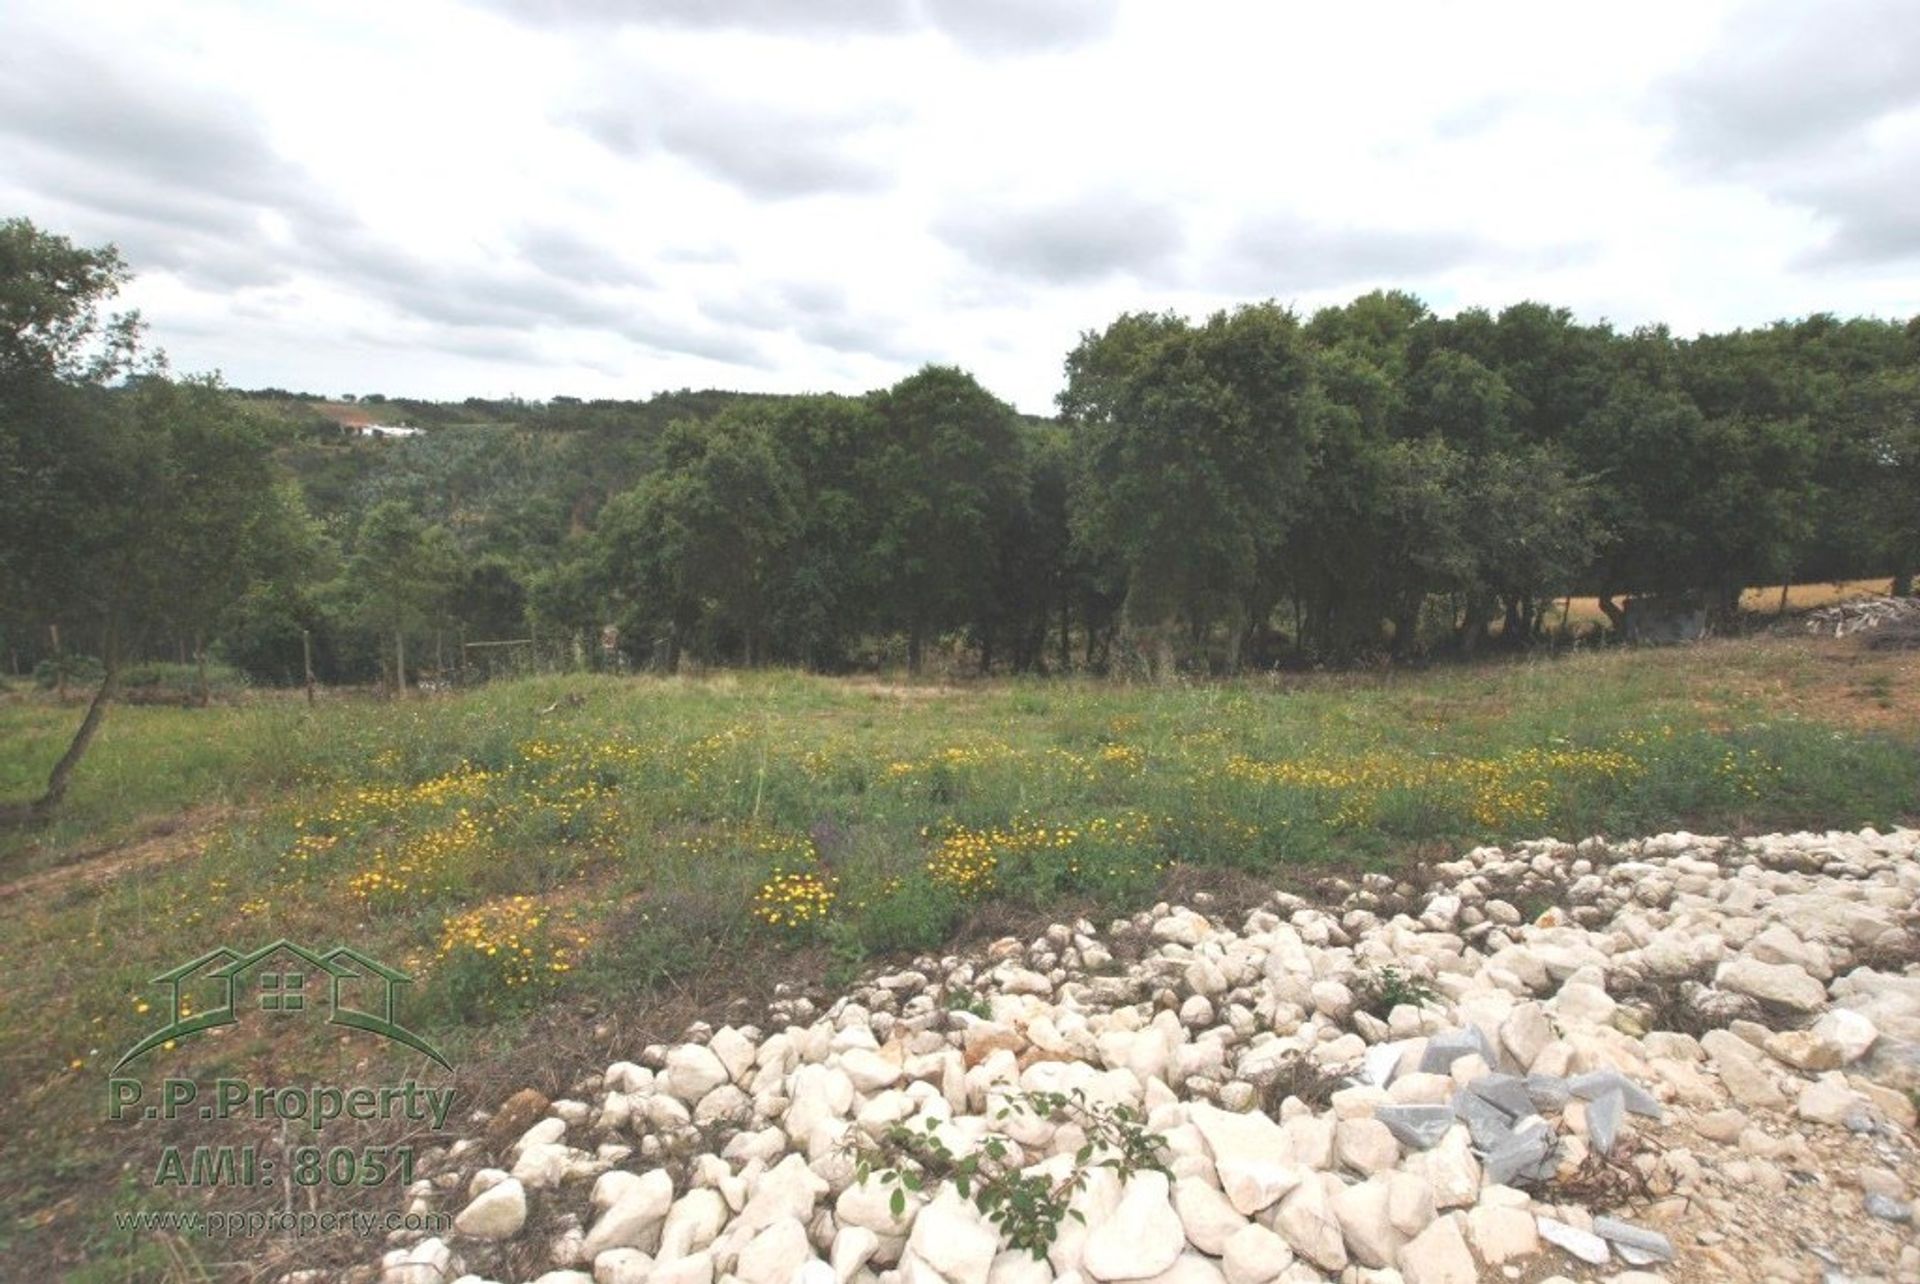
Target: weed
1380, 992
1682, 1004
1303, 1077
848, 953
1025, 1206
1603, 1183
908, 915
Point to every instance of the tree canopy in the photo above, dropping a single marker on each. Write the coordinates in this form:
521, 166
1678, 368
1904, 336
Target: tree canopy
1250, 487
133, 511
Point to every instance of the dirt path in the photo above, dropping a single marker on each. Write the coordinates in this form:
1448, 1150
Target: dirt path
158, 843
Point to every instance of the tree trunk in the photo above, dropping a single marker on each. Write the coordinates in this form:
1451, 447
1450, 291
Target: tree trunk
1903, 584
1480, 610
1406, 626
1615, 613
400, 663
57, 780
200, 659
1724, 608
1066, 654
913, 647
1164, 662
1471, 631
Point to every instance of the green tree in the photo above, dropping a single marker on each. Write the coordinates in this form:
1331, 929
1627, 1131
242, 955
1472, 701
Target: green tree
1529, 524
831, 594
704, 545
943, 477
401, 576
1454, 396
1195, 474
129, 509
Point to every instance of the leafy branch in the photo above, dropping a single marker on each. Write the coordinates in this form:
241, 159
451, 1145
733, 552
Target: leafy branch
1026, 1207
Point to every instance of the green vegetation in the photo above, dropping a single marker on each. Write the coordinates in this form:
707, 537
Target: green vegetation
1026, 1208
607, 825
606, 842
1380, 992
1252, 490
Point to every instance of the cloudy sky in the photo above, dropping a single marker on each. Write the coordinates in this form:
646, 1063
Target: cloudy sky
614, 197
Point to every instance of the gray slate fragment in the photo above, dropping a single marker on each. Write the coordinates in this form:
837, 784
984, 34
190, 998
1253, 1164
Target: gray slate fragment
1889, 1209
1523, 1156
1589, 1086
1634, 1242
1420, 1127
1507, 1091
1604, 1115
1445, 1049
1547, 1091
1589, 1248
1491, 1126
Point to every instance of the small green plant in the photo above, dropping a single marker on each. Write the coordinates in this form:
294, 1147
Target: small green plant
849, 953
1380, 992
908, 915
1027, 1208
961, 999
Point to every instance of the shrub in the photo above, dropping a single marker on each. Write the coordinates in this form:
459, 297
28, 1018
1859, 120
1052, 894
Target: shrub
906, 915
1026, 1206
80, 670
1381, 992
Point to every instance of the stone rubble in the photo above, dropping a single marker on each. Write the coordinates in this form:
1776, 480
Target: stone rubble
1688, 1058
1861, 615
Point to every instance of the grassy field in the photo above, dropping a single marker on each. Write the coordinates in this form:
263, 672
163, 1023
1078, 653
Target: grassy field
642, 849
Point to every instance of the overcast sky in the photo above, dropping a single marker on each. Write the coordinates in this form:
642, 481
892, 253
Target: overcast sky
615, 197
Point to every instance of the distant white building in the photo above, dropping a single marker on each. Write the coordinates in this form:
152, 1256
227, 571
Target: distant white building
387, 430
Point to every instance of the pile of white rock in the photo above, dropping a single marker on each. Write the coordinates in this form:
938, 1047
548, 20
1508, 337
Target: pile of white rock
1680, 1057
1862, 614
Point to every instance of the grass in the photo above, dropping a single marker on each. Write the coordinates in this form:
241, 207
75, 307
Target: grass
513, 846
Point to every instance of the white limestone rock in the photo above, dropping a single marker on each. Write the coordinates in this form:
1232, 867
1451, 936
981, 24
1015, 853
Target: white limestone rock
1142, 1237
496, 1213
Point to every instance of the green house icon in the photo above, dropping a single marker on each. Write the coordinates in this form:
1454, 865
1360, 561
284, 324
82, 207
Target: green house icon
280, 978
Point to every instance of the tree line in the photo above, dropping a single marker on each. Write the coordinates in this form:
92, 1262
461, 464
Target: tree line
1253, 488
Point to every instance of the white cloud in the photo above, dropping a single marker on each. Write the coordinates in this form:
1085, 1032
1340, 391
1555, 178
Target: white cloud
552, 196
